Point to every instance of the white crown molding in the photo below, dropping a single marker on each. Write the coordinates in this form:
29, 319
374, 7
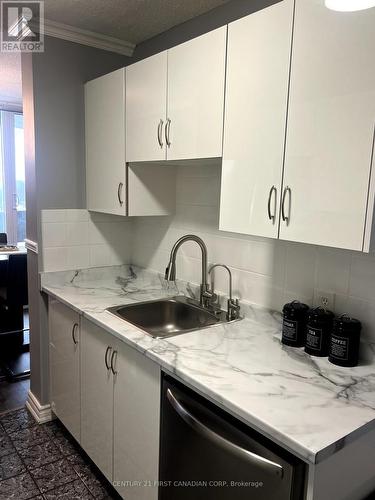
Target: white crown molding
41, 413
90, 38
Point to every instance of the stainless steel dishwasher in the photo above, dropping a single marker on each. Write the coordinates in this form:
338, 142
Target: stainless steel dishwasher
207, 454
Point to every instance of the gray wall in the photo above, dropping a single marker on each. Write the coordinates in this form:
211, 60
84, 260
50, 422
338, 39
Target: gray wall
55, 159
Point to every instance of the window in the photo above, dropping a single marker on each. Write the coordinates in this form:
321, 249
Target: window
12, 177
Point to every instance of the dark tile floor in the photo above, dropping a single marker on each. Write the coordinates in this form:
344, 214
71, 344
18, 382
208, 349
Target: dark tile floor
42, 462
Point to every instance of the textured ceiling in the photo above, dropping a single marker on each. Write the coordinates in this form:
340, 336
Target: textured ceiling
10, 78
130, 20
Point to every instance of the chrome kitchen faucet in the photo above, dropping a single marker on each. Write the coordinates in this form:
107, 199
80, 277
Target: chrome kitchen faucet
207, 297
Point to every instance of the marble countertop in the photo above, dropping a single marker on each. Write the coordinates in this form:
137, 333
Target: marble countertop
304, 403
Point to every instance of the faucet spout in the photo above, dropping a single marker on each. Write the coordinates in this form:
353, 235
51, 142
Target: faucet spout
170, 272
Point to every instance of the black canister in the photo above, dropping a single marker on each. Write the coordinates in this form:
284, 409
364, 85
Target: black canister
318, 331
344, 343
294, 323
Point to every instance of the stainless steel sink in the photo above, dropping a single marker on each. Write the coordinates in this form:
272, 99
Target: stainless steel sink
168, 317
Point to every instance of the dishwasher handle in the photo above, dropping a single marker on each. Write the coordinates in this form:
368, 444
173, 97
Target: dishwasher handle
213, 436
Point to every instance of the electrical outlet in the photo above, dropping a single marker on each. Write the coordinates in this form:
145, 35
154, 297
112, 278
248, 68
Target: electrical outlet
324, 299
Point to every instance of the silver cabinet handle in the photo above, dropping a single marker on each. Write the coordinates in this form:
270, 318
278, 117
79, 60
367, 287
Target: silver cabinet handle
286, 218
75, 326
221, 441
270, 215
113, 360
167, 132
107, 351
119, 191
160, 133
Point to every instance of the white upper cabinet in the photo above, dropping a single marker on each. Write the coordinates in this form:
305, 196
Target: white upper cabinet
196, 73
256, 96
330, 127
112, 186
175, 102
105, 143
146, 105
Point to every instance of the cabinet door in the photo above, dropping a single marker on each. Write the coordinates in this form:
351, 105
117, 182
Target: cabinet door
105, 143
196, 73
146, 104
136, 424
64, 348
258, 61
97, 396
330, 126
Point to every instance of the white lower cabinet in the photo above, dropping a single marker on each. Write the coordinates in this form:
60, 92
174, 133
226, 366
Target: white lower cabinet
97, 396
136, 425
120, 412
64, 350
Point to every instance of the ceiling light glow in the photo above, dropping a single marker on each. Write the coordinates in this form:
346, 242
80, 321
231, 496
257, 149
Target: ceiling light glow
349, 5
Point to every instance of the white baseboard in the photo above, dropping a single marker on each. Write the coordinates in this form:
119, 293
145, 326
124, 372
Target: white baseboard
41, 413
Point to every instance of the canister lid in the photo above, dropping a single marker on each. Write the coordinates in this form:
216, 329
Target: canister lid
346, 323
295, 306
321, 314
